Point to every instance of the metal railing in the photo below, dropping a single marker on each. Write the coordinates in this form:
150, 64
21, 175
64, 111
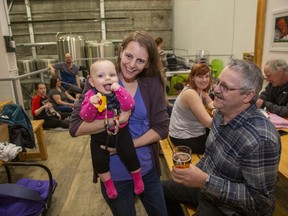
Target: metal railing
15, 79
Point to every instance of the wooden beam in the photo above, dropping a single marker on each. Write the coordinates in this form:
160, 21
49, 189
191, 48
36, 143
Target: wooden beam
259, 32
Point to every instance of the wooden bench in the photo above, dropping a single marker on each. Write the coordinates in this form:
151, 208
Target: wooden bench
166, 146
283, 165
3, 103
39, 132
4, 135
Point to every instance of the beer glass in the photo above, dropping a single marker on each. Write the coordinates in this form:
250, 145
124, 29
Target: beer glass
182, 156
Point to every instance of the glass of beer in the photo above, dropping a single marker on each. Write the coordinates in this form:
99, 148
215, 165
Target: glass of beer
181, 156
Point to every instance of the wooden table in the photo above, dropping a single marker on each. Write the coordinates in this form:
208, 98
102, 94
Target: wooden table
283, 165
3, 103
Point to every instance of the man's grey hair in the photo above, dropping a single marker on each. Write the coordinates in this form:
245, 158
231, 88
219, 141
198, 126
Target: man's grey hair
276, 65
252, 77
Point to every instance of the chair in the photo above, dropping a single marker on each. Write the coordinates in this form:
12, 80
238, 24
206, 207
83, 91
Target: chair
217, 66
172, 62
27, 196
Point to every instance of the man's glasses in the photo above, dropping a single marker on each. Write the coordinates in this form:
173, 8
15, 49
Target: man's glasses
224, 88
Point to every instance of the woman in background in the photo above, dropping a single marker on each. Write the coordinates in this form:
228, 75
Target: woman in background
189, 118
162, 53
61, 100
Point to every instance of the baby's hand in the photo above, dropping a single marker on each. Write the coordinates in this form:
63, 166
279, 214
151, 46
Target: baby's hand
115, 87
95, 99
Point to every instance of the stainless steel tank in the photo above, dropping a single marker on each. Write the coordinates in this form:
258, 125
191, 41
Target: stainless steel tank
74, 44
43, 62
107, 50
92, 51
26, 65
95, 50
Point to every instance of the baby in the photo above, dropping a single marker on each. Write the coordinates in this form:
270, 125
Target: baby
106, 100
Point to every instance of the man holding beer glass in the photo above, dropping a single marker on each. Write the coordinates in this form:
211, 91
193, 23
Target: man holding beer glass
238, 172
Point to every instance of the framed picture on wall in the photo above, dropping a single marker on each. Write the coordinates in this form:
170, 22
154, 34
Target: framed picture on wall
280, 30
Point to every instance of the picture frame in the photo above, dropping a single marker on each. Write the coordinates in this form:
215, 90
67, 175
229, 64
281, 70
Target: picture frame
280, 30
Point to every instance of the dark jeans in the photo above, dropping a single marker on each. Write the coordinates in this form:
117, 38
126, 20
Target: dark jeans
177, 194
53, 122
63, 108
152, 198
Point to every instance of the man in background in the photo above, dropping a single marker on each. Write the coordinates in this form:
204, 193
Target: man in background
275, 96
69, 74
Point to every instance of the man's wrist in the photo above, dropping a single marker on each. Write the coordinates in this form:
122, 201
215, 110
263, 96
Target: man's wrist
206, 180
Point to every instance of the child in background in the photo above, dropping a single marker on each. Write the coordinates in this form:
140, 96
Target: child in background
106, 100
178, 87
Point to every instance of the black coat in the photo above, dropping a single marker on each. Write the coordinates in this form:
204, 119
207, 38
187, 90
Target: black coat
19, 125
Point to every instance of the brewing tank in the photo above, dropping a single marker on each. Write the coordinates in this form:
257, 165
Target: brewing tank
96, 50
74, 44
92, 51
43, 62
107, 50
26, 65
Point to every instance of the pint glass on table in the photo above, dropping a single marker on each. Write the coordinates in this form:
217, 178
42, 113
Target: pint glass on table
181, 156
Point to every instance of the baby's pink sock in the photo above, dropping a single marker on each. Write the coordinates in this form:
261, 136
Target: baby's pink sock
110, 189
138, 183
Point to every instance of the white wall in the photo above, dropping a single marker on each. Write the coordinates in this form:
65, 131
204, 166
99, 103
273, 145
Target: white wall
218, 26
272, 5
7, 60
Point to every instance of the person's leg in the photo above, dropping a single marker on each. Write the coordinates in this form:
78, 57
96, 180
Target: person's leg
101, 160
61, 123
126, 150
124, 204
65, 115
128, 156
74, 89
52, 122
153, 198
138, 181
205, 208
63, 108
100, 157
176, 194
109, 184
